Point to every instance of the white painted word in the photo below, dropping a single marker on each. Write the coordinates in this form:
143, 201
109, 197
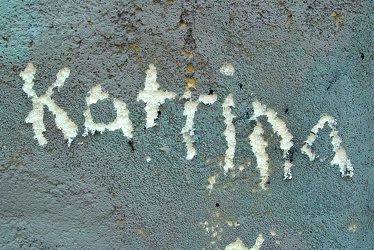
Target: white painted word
154, 98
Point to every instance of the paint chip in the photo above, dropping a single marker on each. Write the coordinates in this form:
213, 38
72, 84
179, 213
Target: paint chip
227, 69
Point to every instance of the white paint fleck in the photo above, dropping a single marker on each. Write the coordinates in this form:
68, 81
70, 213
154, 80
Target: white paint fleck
152, 96
188, 131
212, 181
259, 149
340, 157
36, 115
207, 99
148, 159
280, 127
227, 69
239, 245
229, 132
122, 120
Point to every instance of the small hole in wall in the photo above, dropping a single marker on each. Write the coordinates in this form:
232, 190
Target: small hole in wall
158, 114
217, 204
210, 92
286, 111
362, 56
240, 85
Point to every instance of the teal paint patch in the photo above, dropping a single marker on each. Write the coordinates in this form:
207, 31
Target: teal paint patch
20, 26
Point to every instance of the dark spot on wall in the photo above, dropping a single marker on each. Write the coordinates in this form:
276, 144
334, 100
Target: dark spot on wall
131, 144
362, 56
289, 155
217, 204
286, 111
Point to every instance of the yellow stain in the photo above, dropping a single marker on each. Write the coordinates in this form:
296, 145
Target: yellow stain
190, 81
120, 46
140, 231
134, 46
190, 68
229, 222
336, 17
185, 53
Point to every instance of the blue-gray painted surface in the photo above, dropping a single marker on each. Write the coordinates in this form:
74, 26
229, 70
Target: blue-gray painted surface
298, 58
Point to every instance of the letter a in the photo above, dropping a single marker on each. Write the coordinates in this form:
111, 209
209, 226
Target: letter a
63, 122
122, 120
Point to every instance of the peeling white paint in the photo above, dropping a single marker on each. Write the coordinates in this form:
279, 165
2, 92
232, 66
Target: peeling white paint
152, 96
36, 115
188, 131
122, 120
239, 245
340, 157
259, 149
229, 133
280, 127
227, 69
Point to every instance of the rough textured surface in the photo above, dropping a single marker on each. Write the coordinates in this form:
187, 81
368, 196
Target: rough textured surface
301, 58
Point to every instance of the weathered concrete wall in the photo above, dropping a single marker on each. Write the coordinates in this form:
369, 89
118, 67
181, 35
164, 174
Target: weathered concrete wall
143, 125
